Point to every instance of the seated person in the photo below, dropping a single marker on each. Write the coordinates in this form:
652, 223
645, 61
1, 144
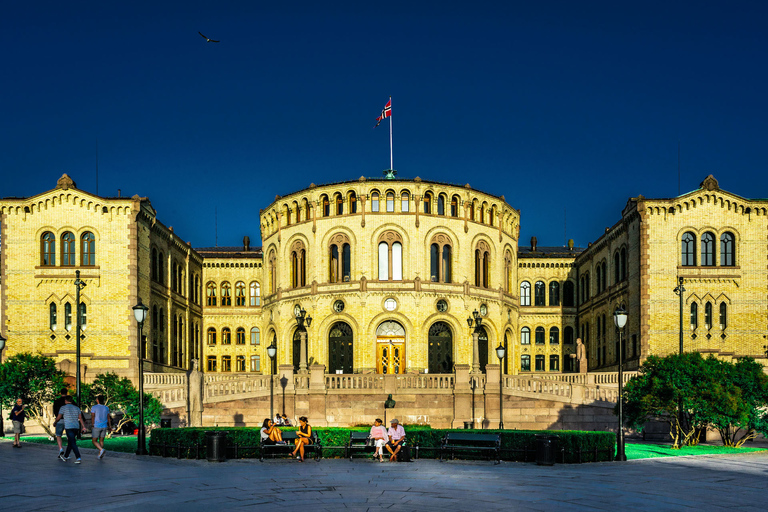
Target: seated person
286, 421
380, 438
396, 439
303, 437
270, 434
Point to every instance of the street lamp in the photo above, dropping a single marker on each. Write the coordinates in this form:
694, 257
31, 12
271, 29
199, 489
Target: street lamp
501, 352
301, 318
679, 290
272, 352
477, 321
79, 285
140, 312
620, 319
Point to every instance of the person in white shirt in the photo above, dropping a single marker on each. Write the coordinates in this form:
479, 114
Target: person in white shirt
380, 438
396, 434
101, 423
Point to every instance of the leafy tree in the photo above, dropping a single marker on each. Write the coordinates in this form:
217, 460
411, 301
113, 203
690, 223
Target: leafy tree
36, 380
120, 395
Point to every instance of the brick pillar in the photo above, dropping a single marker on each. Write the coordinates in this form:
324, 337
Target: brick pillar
491, 395
462, 396
317, 406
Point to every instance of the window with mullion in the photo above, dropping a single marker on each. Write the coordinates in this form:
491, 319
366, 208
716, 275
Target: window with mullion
67, 249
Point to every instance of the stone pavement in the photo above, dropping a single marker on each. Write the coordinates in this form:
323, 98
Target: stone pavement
33, 479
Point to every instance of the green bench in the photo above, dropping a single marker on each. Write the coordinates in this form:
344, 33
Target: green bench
477, 443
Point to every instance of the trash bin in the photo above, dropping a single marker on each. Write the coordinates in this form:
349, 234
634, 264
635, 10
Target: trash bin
216, 445
468, 425
546, 449
165, 423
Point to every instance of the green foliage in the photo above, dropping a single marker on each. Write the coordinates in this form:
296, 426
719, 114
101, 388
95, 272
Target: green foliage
186, 442
121, 395
36, 380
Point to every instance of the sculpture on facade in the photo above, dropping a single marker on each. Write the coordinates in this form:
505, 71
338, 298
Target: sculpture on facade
195, 395
580, 356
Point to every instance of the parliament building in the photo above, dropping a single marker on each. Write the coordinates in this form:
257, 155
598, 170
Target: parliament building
386, 276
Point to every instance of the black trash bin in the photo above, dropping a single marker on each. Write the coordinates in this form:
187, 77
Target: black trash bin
165, 423
216, 445
546, 449
468, 425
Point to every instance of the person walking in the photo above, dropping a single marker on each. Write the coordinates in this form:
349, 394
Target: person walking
101, 423
59, 425
17, 418
71, 415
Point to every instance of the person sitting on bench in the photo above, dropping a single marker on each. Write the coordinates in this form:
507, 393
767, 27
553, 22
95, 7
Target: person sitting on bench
303, 438
270, 434
379, 436
396, 439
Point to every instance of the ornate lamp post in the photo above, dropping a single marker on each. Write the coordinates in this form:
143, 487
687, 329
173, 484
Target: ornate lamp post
501, 352
477, 321
272, 352
301, 318
679, 290
140, 313
79, 285
620, 319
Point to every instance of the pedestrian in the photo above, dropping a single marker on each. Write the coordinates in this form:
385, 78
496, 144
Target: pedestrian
70, 414
101, 423
17, 418
59, 425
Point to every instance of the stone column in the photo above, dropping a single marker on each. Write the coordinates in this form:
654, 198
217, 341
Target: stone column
491, 394
475, 352
303, 351
462, 396
317, 406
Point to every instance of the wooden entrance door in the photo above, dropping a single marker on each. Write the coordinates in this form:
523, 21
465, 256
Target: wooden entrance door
390, 355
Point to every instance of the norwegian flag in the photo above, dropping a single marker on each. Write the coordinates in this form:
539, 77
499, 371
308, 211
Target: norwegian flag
386, 112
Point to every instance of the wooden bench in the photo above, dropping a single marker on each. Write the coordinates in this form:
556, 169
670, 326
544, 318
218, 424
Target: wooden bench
453, 442
358, 442
289, 438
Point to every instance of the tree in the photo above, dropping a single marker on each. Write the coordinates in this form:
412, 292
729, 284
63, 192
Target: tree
36, 380
120, 395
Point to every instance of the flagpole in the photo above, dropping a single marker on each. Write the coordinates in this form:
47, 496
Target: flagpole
391, 165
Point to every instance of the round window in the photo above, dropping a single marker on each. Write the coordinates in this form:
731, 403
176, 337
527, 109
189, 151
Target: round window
338, 306
442, 306
483, 309
390, 304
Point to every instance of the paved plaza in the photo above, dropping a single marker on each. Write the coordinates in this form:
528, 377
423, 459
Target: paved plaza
33, 479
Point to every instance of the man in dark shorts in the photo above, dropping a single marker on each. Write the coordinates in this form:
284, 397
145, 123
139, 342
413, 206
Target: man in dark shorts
17, 418
59, 425
71, 416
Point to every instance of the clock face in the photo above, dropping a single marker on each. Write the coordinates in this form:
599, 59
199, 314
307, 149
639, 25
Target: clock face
296, 310
483, 309
338, 306
390, 304
442, 306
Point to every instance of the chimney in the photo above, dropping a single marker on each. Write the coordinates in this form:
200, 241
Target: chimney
246, 243
570, 244
118, 193
533, 243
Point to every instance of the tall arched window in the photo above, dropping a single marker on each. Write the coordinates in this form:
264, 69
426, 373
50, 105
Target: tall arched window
428, 203
525, 293
554, 336
471, 211
52, 317
272, 272
48, 249
67, 249
287, 214
211, 336
240, 293
340, 348
67, 316
87, 249
326, 206
525, 336
339, 205
481, 217
255, 336
688, 250
539, 297
482, 265
440, 259
298, 265
554, 293
616, 267
226, 336
623, 263
707, 249
210, 294
374, 201
568, 294
340, 255
440, 351
508, 272
598, 279
441, 204
226, 294
255, 294
352, 203
390, 257
540, 336
727, 250
390, 202
694, 316
455, 206
239, 336
405, 202
161, 268
708, 315
723, 315
83, 315
154, 264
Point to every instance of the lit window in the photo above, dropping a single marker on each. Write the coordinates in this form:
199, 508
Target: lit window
240, 293
226, 294
240, 364
211, 336
210, 291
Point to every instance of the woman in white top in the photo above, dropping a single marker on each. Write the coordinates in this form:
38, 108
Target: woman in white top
270, 434
380, 437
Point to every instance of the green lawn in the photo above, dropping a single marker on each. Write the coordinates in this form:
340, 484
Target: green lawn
649, 451
115, 444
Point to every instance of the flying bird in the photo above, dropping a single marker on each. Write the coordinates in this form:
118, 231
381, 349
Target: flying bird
207, 39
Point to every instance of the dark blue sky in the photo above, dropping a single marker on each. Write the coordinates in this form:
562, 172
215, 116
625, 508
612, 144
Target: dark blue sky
554, 105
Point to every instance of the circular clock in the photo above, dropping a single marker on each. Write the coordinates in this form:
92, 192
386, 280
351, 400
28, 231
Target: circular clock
483, 309
338, 306
390, 304
442, 306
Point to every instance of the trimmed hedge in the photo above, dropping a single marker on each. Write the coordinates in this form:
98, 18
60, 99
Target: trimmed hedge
520, 445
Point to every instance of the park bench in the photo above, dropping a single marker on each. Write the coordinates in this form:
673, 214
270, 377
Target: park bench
289, 438
358, 442
473, 443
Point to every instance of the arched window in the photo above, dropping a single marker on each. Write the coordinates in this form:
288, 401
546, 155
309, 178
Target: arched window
52, 316
623, 263
428, 203
723, 315
67, 249
340, 348
441, 204
272, 272
554, 336
326, 206
688, 250
352, 203
707, 249
471, 211
211, 336
708, 315
154, 264
481, 217
455, 206
440, 259
339, 205
440, 351
727, 250
508, 272
554, 293
405, 202
87, 249
482, 265
340, 255
296, 350
525, 336
210, 294
616, 268
525, 363
226, 294
226, 336
390, 202
598, 280
491, 215
540, 335
374, 201
255, 363
255, 336
255, 291
67, 316
161, 268
568, 336
240, 293
83, 315
287, 215
694, 316
239, 336
539, 296
390, 257
298, 265
48, 249
568, 294
525, 293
